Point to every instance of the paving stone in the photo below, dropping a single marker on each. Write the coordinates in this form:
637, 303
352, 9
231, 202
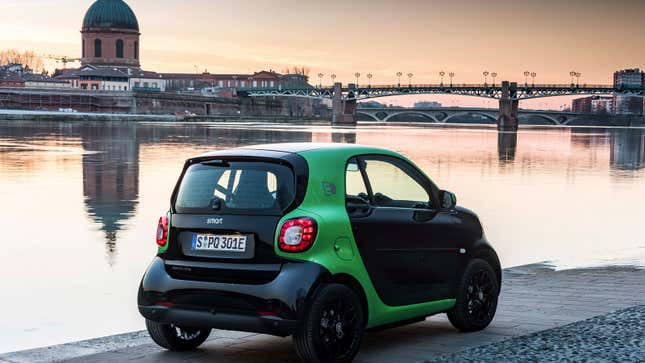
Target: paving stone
535, 302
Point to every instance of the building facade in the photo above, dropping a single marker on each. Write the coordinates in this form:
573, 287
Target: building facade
110, 35
627, 105
10, 79
628, 79
602, 105
199, 81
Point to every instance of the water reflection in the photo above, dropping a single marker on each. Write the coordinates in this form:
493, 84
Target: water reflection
111, 165
102, 186
506, 146
344, 137
627, 152
110, 178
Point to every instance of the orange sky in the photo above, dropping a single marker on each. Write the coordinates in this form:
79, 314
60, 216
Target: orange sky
550, 37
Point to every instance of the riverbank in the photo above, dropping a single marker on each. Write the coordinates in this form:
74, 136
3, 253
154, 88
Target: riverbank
614, 337
54, 116
536, 308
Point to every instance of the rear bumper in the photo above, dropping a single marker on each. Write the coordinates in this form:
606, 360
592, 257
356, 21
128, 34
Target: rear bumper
271, 308
225, 321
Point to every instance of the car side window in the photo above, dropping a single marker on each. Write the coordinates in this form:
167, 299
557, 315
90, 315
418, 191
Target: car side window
354, 183
394, 186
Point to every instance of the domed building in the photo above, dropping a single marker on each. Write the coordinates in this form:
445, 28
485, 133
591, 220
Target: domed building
110, 35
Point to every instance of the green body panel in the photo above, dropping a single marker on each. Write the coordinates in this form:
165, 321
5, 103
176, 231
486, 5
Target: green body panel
335, 247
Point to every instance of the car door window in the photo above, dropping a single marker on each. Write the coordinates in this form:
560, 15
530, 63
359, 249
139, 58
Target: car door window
354, 183
393, 184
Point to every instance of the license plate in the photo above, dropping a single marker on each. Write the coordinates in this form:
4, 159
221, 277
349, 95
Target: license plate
223, 243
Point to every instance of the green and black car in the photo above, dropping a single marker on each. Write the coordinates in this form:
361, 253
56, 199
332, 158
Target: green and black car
318, 241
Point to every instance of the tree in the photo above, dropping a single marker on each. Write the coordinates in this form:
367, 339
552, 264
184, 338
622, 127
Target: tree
303, 71
27, 59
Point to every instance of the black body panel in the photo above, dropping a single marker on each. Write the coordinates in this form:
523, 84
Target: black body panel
228, 304
414, 254
261, 229
410, 261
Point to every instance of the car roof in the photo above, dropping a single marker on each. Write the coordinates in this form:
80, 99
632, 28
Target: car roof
296, 148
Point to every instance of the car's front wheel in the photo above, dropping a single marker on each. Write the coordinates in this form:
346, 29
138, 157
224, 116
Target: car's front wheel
172, 337
477, 295
332, 328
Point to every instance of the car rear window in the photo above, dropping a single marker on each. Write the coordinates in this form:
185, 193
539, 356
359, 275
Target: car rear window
260, 188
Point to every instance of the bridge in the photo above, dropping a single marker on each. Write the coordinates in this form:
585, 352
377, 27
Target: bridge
344, 99
444, 115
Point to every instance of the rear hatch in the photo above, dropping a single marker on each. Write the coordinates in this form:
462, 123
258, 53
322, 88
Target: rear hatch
224, 216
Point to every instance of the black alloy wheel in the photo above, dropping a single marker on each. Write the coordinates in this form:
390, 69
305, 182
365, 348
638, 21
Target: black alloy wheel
173, 337
477, 296
332, 329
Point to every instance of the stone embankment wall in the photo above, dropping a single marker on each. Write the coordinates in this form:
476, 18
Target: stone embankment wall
155, 103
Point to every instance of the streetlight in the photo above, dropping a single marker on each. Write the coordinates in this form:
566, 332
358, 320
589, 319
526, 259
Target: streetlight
320, 77
451, 75
578, 75
526, 78
486, 73
442, 73
494, 75
533, 75
572, 74
369, 80
357, 75
333, 78
410, 75
399, 74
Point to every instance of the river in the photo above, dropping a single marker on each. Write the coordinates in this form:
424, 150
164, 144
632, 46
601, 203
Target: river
80, 203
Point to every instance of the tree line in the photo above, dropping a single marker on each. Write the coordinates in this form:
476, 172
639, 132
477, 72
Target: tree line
28, 59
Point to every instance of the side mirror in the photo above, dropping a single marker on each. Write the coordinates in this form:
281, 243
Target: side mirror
448, 199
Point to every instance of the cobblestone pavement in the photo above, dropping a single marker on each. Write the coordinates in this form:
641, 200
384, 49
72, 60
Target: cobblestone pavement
534, 298
615, 337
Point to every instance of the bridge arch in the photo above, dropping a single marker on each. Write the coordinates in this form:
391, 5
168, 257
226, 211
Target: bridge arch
369, 115
491, 117
552, 120
422, 114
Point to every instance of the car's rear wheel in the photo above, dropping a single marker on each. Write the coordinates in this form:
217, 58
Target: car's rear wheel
172, 337
332, 328
477, 295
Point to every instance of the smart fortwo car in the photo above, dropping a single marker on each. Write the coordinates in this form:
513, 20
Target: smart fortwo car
318, 241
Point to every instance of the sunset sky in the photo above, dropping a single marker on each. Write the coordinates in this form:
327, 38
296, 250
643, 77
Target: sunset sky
550, 37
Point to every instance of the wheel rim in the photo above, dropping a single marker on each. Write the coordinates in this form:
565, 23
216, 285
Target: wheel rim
480, 297
339, 329
186, 334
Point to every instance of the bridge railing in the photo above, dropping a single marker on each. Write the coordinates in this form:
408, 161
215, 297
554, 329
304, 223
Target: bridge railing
482, 85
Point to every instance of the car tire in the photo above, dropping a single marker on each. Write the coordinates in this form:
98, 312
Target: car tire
332, 327
477, 295
173, 337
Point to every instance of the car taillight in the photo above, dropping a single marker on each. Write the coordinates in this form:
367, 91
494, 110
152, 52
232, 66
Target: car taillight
162, 231
297, 235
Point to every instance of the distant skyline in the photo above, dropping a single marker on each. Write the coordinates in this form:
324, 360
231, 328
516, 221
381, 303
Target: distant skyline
423, 37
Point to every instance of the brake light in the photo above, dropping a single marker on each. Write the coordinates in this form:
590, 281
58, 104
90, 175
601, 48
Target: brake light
297, 235
162, 231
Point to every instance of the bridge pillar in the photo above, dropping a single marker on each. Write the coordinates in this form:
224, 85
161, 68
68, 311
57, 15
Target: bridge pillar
508, 107
343, 111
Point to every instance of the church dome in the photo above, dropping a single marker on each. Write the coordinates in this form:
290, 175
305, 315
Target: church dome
110, 14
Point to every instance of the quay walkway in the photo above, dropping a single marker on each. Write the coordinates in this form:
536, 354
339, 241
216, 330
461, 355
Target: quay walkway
541, 311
